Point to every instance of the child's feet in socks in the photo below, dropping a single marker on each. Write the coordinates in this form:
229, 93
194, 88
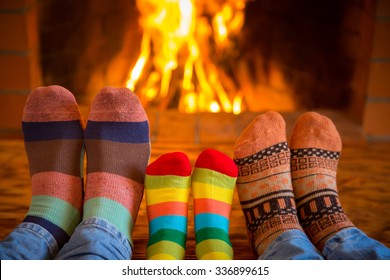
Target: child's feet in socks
118, 150
315, 150
53, 136
167, 188
264, 180
213, 182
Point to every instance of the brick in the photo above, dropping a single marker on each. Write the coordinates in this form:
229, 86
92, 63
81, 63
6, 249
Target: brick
19, 31
376, 119
11, 111
381, 46
383, 8
16, 4
217, 128
13, 28
15, 72
378, 83
173, 127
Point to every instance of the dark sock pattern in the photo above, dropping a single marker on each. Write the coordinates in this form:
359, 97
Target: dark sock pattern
268, 206
315, 151
319, 210
264, 181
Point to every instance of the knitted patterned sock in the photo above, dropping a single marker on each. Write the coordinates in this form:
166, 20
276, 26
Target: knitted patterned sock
167, 187
264, 180
213, 181
53, 136
118, 150
315, 150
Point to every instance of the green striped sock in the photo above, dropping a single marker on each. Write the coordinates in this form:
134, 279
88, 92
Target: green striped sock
167, 187
213, 181
53, 136
118, 150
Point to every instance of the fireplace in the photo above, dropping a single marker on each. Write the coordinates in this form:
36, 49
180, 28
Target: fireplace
270, 55
290, 56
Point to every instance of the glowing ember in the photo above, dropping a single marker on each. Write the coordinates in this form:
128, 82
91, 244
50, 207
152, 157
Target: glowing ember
180, 39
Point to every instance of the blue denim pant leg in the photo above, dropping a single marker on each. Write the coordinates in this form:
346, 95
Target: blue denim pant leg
96, 239
353, 244
28, 241
291, 245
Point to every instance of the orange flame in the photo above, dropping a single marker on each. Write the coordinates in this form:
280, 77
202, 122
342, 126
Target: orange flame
175, 48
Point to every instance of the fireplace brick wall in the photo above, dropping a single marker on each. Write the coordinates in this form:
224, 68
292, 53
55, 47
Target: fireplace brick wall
19, 61
376, 121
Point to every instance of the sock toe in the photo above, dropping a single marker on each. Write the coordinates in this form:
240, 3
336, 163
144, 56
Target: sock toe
51, 103
175, 163
217, 161
264, 131
117, 105
313, 130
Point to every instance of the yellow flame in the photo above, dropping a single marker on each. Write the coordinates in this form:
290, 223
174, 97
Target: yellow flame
176, 36
237, 105
220, 29
214, 107
140, 64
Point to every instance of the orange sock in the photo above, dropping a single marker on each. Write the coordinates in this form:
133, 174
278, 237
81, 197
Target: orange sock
264, 180
315, 150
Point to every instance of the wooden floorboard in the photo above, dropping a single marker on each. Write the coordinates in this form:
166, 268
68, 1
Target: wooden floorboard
363, 174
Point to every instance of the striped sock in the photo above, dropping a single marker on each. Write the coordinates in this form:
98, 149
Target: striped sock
118, 150
167, 187
213, 181
315, 150
53, 136
264, 180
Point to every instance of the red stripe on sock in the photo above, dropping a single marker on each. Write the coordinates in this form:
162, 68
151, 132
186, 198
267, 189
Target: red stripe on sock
166, 209
176, 163
206, 205
217, 161
120, 189
59, 185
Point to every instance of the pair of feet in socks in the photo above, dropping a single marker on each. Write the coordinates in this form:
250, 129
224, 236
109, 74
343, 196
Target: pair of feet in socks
167, 186
116, 140
281, 189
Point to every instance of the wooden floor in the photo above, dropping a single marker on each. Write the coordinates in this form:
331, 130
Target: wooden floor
363, 174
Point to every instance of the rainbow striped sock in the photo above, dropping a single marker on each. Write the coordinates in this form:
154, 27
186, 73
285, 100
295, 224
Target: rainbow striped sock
213, 181
53, 136
167, 187
118, 150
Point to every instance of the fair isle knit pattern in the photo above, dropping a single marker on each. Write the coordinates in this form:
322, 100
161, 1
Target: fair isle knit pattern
213, 182
315, 153
167, 189
118, 150
268, 206
264, 181
53, 136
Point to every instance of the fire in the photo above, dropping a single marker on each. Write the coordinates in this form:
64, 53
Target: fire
176, 60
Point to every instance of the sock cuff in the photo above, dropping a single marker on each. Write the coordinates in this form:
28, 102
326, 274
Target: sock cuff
217, 161
176, 163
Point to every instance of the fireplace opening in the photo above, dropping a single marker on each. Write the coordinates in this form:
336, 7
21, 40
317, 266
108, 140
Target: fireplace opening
231, 55
194, 56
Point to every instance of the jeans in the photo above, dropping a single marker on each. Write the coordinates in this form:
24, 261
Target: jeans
347, 244
93, 239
